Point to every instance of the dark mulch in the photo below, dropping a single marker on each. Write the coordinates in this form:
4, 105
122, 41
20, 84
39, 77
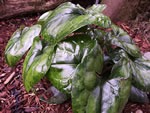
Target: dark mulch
139, 30
143, 42
14, 98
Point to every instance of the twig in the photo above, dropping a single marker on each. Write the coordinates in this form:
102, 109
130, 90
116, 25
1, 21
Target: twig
97, 1
9, 78
2, 75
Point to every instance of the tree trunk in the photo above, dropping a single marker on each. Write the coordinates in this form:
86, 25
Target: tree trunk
11, 8
121, 10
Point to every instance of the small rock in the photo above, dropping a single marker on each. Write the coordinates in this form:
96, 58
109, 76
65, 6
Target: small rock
147, 55
139, 111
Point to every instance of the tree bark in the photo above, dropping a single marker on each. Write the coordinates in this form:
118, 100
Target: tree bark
121, 10
12, 8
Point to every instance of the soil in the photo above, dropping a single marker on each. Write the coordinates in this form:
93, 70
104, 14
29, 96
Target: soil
14, 98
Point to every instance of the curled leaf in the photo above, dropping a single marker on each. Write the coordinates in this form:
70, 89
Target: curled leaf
115, 95
116, 90
141, 74
121, 68
118, 37
37, 63
44, 17
107, 96
68, 18
96, 8
32, 54
93, 102
139, 96
121, 39
68, 55
85, 80
20, 42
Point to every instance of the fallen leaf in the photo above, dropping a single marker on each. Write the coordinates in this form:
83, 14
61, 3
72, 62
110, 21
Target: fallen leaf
145, 46
30, 109
137, 40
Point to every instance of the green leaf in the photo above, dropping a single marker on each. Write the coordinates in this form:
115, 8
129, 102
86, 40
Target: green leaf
117, 54
60, 75
118, 37
121, 69
138, 96
115, 95
115, 92
67, 58
20, 42
37, 63
96, 8
32, 54
111, 95
85, 80
121, 39
68, 18
93, 103
44, 17
108, 96
141, 74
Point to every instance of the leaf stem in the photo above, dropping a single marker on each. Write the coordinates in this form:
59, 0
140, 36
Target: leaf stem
97, 1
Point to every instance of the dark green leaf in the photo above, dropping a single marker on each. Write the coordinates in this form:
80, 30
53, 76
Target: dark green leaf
121, 69
96, 8
141, 74
85, 81
60, 75
139, 96
119, 38
44, 17
37, 63
93, 103
68, 18
67, 58
115, 92
32, 54
20, 42
108, 97
115, 95
117, 54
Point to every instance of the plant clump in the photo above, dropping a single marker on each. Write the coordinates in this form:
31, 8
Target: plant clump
72, 55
